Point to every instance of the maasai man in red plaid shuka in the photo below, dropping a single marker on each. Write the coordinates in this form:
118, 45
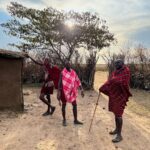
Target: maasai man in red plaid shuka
68, 90
117, 89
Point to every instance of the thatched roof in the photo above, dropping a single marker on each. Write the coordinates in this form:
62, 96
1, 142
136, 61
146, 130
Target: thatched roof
10, 54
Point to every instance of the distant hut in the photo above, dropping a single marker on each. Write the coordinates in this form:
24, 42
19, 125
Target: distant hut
11, 94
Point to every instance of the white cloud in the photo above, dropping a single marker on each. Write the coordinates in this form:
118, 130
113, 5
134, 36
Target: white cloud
123, 17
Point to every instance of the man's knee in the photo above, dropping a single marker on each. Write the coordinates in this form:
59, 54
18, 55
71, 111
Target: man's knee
41, 97
74, 103
48, 97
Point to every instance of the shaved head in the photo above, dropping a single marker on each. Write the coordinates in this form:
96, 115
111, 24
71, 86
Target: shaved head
119, 63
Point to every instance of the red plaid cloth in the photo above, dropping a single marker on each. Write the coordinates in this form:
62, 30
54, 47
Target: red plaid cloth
52, 74
70, 82
117, 88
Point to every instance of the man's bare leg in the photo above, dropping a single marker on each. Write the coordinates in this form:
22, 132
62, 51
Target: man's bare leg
75, 115
48, 109
52, 107
64, 114
49, 100
42, 98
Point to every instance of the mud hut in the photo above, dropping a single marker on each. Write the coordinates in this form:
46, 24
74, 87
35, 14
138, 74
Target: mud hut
11, 94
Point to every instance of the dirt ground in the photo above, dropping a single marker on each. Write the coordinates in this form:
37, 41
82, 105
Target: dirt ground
31, 131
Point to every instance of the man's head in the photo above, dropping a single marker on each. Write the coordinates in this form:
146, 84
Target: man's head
47, 63
67, 65
119, 63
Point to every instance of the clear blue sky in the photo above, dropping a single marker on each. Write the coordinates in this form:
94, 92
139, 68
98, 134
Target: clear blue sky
127, 19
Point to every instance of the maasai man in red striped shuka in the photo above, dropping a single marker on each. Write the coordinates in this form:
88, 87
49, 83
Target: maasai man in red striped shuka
117, 89
68, 90
51, 79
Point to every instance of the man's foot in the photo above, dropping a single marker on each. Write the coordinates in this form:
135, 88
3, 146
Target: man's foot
46, 113
117, 139
76, 122
113, 132
52, 110
64, 123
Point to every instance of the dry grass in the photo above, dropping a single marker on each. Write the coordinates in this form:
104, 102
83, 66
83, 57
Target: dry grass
139, 103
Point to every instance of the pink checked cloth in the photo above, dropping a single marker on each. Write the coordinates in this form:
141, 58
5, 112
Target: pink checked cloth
70, 83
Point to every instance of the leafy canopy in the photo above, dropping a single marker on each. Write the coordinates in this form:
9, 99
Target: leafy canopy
47, 29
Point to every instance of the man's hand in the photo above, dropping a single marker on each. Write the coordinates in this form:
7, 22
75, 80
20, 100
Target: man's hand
82, 93
50, 84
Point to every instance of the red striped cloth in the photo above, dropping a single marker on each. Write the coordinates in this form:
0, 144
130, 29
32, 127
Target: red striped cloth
51, 75
70, 82
117, 88
54, 74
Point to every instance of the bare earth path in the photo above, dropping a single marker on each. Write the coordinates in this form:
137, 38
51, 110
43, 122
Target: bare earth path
32, 131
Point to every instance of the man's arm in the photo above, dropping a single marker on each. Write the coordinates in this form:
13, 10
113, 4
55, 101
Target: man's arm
59, 88
38, 63
60, 82
82, 91
80, 85
105, 88
27, 55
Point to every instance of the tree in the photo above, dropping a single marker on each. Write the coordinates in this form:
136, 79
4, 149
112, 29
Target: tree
137, 59
47, 30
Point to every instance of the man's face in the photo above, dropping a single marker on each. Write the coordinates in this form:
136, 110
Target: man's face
46, 64
118, 64
67, 65
46, 61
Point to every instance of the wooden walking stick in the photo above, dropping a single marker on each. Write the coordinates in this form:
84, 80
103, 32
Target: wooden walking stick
94, 112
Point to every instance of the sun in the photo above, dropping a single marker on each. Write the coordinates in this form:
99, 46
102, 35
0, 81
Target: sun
69, 23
